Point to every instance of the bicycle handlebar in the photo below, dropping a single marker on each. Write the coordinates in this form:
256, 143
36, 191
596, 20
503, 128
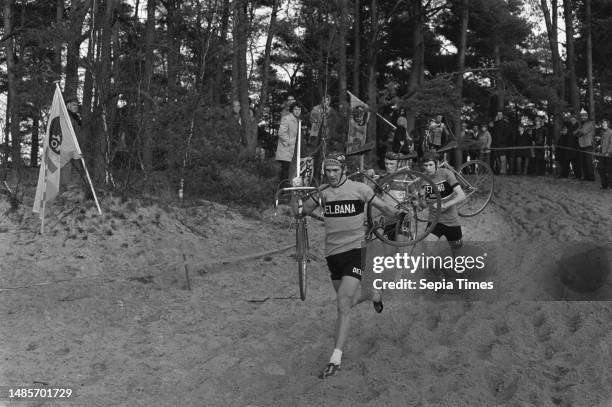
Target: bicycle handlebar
311, 191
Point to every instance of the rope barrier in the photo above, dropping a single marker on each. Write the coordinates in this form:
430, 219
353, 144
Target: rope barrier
542, 148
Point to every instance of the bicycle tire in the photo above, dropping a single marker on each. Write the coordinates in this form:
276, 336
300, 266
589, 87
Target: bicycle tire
301, 239
413, 201
477, 181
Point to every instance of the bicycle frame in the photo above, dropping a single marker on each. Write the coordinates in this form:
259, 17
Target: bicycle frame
460, 178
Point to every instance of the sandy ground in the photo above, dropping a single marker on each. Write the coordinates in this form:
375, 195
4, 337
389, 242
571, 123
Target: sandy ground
102, 304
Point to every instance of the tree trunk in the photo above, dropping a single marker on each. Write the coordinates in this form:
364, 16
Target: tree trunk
372, 60
87, 137
235, 52
551, 30
12, 99
357, 48
147, 137
266, 62
77, 16
461, 68
342, 55
589, 55
59, 16
174, 48
221, 54
500, 86
574, 95
249, 134
551, 20
418, 64
6, 146
35, 142
103, 86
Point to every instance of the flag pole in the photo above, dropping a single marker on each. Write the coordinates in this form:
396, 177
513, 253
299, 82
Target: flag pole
69, 122
298, 164
44, 197
386, 121
93, 191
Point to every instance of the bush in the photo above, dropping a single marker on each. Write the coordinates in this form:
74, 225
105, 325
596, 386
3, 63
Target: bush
217, 166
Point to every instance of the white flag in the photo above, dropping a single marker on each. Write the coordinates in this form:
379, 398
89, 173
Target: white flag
359, 117
59, 147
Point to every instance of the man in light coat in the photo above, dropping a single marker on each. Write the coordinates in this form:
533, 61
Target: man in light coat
586, 136
287, 137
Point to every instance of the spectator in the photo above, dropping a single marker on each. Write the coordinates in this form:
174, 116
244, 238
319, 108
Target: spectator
562, 153
285, 106
321, 121
418, 138
511, 135
402, 142
469, 142
484, 137
500, 139
72, 106
287, 137
573, 155
522, 155
586, 136
438, 133
540, 138
605, 161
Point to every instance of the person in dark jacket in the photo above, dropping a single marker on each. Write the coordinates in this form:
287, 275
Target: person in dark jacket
573, 155
500, 139
562, 153
540, 138
402, 142
522, 155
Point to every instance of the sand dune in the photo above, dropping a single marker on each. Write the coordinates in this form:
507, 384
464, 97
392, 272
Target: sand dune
105, 308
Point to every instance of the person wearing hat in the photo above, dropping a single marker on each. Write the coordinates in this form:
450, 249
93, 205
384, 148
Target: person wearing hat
586, 136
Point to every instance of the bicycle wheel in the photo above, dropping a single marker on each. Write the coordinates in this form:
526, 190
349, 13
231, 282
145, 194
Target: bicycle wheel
412, 192
476, 179
301, 239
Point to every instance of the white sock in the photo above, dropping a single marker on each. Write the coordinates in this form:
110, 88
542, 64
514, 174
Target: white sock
336, 357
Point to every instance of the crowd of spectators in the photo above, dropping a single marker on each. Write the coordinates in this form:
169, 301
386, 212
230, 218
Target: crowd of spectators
518, 148
526, 147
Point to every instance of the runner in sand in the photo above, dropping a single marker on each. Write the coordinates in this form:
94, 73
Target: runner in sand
451, 193
344, 203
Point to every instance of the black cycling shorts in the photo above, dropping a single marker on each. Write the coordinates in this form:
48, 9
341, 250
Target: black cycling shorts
346, 264
451, 233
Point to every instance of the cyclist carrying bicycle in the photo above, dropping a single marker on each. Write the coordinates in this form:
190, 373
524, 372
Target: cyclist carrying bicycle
452, 194
396, 191
344, 202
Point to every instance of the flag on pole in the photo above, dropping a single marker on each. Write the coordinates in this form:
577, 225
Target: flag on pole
59, 147
358, 127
